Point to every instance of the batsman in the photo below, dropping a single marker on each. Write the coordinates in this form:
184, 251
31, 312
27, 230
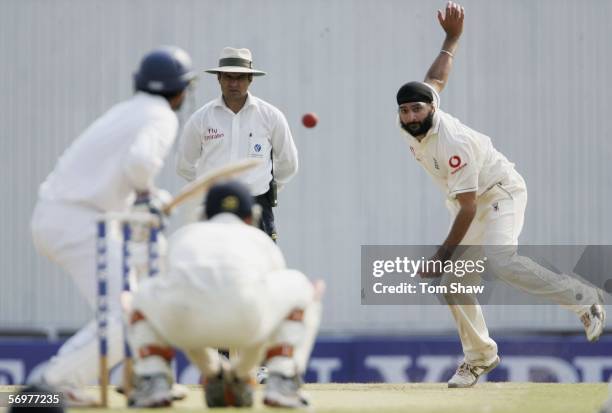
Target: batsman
110, 168
487, 198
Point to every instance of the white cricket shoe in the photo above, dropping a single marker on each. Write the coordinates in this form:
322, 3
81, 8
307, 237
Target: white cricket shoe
284, 392
467, 375
151, 391
594, 320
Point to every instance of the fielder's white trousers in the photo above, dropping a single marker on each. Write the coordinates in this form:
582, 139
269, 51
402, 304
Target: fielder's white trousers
66, 234
249, 316
498, 222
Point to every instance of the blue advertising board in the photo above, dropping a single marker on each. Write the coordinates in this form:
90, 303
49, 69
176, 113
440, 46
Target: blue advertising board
384, 359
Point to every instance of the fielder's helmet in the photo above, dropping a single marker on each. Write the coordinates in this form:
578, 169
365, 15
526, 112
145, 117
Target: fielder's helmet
164, 71
232, 197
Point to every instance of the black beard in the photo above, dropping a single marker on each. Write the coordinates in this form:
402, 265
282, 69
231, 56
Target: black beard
419, 128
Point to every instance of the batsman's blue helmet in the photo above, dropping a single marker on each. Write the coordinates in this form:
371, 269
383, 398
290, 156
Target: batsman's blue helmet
232, 197
163, 71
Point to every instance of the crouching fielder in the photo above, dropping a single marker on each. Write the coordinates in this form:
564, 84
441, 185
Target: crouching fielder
227, 286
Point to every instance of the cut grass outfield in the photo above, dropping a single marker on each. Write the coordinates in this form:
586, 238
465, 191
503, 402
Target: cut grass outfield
421, 397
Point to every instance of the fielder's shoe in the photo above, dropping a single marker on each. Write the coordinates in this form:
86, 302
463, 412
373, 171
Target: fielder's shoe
594, 320
151, 391
284, 392
226, 390
467, 375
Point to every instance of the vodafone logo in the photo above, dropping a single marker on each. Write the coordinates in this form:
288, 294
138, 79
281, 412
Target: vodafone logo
454, 161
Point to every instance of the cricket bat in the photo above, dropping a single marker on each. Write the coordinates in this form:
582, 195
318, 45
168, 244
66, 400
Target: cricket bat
200, 185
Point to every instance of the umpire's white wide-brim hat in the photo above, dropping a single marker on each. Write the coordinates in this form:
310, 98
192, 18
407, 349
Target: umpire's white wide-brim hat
236, 61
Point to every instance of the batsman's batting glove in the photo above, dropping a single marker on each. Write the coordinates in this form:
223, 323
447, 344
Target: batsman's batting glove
152, 202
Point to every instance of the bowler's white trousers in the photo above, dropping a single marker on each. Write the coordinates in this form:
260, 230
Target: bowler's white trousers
498, 222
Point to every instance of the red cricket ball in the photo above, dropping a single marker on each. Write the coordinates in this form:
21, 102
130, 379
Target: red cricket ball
310, 120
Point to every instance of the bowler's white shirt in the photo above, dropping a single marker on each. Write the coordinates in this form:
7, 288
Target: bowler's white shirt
120, 153
458, 158
212, 255
215, 136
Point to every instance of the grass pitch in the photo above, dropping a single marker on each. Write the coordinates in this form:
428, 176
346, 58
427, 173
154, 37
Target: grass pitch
417, 398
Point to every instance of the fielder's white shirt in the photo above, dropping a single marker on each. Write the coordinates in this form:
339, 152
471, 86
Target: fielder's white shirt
120, 153
215, 136
212, 255
458, 158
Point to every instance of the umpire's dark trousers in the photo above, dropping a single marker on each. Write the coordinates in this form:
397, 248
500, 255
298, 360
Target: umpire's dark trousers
266, 223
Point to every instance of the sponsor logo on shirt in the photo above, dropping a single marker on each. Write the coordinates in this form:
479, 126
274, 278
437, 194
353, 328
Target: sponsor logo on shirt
436, 165
455, 163
213, 134
257, 147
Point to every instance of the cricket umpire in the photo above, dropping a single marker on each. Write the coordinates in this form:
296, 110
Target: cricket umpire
238, 125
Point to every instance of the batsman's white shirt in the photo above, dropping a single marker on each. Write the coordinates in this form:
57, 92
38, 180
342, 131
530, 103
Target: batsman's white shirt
459, 159
119, 153
215, 136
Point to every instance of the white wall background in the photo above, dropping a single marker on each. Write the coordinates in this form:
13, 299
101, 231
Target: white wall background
531, 74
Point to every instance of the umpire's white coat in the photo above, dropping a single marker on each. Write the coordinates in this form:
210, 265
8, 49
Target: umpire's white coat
120, 153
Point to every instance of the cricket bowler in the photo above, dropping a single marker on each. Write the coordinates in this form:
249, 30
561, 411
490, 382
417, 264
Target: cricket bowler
487, 198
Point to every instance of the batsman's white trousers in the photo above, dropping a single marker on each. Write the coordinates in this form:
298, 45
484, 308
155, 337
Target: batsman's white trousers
247, 314
498, 222
66, 234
